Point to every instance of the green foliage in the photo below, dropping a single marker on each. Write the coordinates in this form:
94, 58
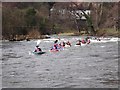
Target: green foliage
42, 25
90, 24
30, 17
30, 12
107, 31
56, 28
11, 20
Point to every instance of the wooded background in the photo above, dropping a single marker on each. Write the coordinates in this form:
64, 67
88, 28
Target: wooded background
33, 19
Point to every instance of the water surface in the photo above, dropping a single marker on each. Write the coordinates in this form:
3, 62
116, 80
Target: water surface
91, 66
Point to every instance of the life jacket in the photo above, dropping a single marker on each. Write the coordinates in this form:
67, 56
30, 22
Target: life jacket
59, 46
55, 46
83, 41
38, 50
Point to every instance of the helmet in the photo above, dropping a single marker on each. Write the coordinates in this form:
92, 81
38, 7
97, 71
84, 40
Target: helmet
37, 46
56, 41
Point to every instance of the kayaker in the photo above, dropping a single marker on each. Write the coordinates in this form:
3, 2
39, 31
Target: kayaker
83, 41
79, 42
98, 39
88, 41
63, 44
55, 46
68, 43
59, 45
37, 49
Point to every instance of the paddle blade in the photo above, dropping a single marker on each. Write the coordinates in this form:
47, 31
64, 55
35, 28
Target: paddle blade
38, 42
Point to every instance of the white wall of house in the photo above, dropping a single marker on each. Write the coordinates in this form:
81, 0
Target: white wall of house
63, 12
88, 12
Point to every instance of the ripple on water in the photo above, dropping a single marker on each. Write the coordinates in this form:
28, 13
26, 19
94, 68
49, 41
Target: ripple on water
110, 82
58, 85
109, 78
70, 68
112, 57
11, 55
95, 55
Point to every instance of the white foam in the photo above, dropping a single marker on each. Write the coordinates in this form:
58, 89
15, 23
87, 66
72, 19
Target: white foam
114, 39
102, 46
67, 46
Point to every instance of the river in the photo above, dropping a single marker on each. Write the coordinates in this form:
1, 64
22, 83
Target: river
91, 66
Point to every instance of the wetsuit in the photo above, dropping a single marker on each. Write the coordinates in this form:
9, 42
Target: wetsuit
38, 49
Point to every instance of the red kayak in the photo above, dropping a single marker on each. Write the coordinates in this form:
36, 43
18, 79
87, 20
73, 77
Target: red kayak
54, 50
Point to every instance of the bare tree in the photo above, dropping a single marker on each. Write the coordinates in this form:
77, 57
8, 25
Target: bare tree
88, 18
98, 8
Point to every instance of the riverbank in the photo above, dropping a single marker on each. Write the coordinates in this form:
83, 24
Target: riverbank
24, 37
108, 32
99, 33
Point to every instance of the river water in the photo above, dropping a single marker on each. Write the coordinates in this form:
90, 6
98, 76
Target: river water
91, 66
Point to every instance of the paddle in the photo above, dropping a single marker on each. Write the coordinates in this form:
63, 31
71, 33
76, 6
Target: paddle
38, 42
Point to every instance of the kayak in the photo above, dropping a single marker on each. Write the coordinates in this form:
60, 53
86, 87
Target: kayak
81, 44
38, 52
77, 45
67, 46
54, 50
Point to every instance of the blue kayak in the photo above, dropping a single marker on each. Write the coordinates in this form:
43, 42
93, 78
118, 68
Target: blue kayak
39, 52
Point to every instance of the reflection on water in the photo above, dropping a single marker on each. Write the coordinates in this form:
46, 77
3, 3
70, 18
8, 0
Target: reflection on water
94, 65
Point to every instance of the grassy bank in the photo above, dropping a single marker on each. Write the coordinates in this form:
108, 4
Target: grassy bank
68, 34
36, 35
108, 32
100, 32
